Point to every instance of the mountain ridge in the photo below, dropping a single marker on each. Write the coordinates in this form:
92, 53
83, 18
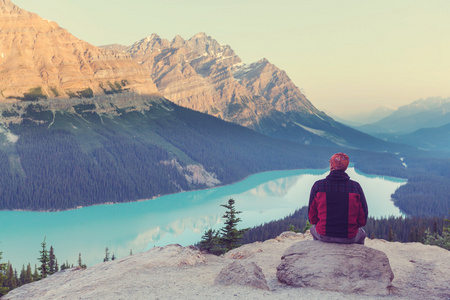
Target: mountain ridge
41, 60
204, 75
423, 113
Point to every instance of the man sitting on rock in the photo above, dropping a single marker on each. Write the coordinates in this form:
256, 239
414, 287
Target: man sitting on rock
337, 206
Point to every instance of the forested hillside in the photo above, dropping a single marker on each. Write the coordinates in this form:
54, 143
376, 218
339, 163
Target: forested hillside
126, 147
79, 156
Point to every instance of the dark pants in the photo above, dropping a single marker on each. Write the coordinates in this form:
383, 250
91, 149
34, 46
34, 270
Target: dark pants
358, 239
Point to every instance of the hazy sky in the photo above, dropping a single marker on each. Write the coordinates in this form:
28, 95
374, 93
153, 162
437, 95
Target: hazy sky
346, 56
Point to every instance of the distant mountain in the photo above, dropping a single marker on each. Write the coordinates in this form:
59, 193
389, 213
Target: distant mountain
423, 113
365, 117
41, 60
437, 138
209, 77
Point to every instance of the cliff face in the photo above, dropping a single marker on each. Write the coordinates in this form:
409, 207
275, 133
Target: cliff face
204, 75
39, 59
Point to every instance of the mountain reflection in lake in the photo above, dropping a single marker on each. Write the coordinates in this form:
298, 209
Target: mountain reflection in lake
179, 218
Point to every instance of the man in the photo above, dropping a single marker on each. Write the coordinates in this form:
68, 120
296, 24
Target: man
337, 206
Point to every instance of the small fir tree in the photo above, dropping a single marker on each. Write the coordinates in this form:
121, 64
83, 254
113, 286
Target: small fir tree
3, 288
44, 260
293, 229
11, 281
28, 274
230, 235
307, 226
36, 274
106, 255
51, 261
434, 238
391, 234
210, 242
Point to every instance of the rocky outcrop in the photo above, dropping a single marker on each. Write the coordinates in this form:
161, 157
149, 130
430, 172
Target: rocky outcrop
174, 255
343, 268
174, 272
39, 59
242, 273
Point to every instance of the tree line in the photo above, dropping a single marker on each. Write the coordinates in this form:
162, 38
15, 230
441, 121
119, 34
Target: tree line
47, 265
431, 230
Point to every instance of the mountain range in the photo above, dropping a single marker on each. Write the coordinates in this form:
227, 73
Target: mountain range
82, 125
204, 75
423, 113
423, 124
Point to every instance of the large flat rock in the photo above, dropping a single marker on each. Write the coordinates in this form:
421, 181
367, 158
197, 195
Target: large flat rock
336, 267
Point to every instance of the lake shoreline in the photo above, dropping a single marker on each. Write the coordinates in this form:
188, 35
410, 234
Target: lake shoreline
352, 165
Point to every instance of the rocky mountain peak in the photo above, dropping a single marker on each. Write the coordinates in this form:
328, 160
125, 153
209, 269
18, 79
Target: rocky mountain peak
202, 74
177, 42
39, 59
7, 4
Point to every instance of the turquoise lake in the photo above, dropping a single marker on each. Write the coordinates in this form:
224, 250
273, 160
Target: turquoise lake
179, 218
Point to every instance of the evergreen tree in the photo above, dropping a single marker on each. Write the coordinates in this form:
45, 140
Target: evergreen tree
3, 288
51, 261
44, 260
106, 255
230, 235
210, 242
307, 226
28, 275
80, 263
113, 257
11, 281
22, 276
293, 229
35, 274
391, 234
433, 238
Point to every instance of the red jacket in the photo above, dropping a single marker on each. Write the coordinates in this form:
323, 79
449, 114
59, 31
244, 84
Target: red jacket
337, 206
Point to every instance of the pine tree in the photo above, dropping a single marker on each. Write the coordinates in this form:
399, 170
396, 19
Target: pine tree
210, 242
28, 274
35, 274
3, 288
106, 255
44, 260
80, 263
11, 281
391, 234
230, 235
23, 274
51, 262
307, 226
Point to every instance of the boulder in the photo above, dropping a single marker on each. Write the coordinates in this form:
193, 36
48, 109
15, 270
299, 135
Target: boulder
174, 255
347, 268
242, 273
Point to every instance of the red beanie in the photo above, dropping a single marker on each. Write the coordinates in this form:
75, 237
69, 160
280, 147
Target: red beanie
339, 161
